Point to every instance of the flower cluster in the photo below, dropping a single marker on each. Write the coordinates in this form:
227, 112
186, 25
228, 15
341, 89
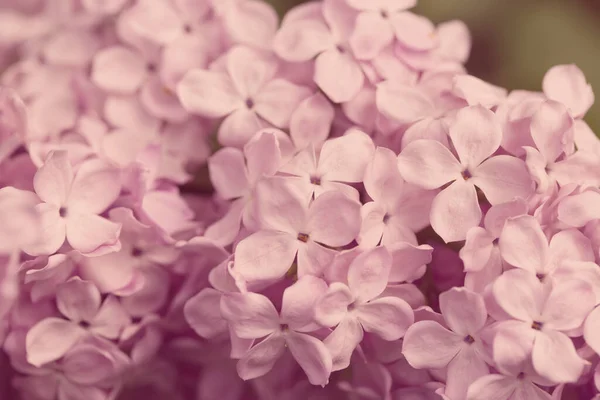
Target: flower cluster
379, 224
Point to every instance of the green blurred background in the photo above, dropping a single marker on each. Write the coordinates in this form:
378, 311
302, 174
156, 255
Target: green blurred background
516, 41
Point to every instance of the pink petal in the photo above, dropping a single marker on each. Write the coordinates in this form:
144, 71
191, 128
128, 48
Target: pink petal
463, 310
312, 355
582, 168
414, 31
52, 182
372, 226
118, 70
344, 159
227, 171
478, 92
567, 84
382, 176
299, 303
249, 70
302, 40
523, 244
251, 315
428, 164
342, 342
520, 294
263, 156
265, 255
555, 358
579, 209
252, 22
463, 370
590, 332
239, 127
332, 306
95, 187
334, 219
407, 260
161, 101
277, 101
455, 210
502, 179
338, 75
203, 313
311, 122
78, 300
156, 21
52, 231
492, 387
371, 35
512, 346
166, 210
551, 129
50, 339
368, 274
416, 105
111, 319
427, 344
570, 244
88, 232
226, 229
314, 259
153, 294
280, 206
476, 135
211, 94
477, 249
568, 304
387, 317
261, 358
497, 215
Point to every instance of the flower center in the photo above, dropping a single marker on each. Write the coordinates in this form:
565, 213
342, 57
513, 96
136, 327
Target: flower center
249, 103
315, 180
386, 218
62, 212
151, 67
284, 327
469, 339
537, 325
187, 28
466, 175
384, 14
541, 277
136, 252
303, 237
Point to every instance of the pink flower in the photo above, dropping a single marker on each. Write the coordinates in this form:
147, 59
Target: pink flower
253, 316
360, 306
340, 160
80, 302
246, 92
71, 203
476, 135
567, 84
481, 254
323, 33
540, 317
398, 209
234, 174
292, 228
428, 344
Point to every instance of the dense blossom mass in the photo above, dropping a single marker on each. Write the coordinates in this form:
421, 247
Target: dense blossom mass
379, 224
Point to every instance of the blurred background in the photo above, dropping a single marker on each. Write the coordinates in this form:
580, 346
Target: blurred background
516, 41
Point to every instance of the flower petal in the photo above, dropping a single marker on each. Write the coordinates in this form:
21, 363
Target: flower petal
334, 219
239, 127
427, 344
95, 187
520, 294
345, 159
415, 105
88, 232
371, 35
463, 310
227, 171
579, 209
591, 329
312, 355
568, 304
552, 129
476, 134
203, 313
502, 179
311, 122
342, 342
118, 70
78, 300
211, 94
428, 164
251, 315
524, 245
338, 75
278, 100
567, 84
332, 306
368, 274
302, 40
50, 339
52, 182
298, 304
387, 317
261, 358
555, 358
455, 210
